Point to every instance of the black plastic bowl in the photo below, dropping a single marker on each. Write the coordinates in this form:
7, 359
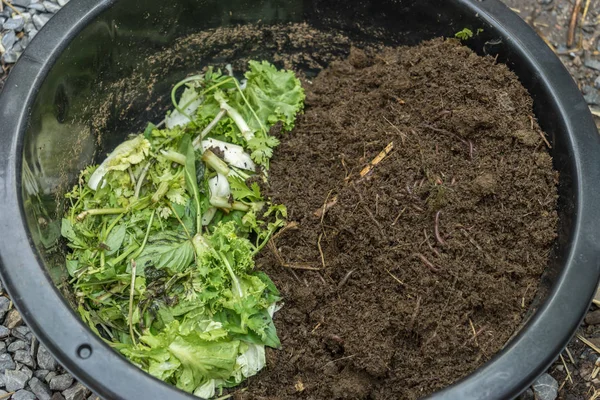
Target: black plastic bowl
47, 133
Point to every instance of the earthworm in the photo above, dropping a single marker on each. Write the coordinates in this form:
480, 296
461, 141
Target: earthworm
427, 263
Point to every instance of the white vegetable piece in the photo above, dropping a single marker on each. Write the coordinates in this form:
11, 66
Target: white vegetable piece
232, 154
273, 308
219, 190
187, 98
208, 216
207, 390
252, 360
240, 122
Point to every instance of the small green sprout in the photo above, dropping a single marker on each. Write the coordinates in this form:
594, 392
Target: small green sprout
464, 34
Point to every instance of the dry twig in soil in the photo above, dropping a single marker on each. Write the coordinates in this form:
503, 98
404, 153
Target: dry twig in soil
573, 23
11, 6
395, 277
588, 343
377, 159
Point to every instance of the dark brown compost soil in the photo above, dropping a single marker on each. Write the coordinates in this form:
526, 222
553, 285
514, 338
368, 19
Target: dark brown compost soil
403, 277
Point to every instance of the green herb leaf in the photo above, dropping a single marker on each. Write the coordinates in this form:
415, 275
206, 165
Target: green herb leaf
166, 250
114, 240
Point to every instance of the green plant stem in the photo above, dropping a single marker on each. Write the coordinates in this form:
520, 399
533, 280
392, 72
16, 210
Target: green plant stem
174, 93
198, 140
140, 181
112, 225
218, 165
262, 127
163, 188
239, 206
101, 211
234, 279
124, 254
220, 202
181, 222
137, 254
131, 292
191, 79
174, 156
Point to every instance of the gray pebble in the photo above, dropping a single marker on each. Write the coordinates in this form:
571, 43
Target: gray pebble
32, 34
17, 345
40, 373
16, 23
4, 301
8, 41
39, 7
57, 396
39, 20
18, 48
545, 2
61, 382
26, 371
4, 331
24, 41
40, 389
26, 16
22, 332
592, 98
23, 395
24, 357
45, 359
6, 362
29, 26
10, 57
597, 82
93, 397
21, 3
2, 347
76, 392
15, 380
19, 9
588, 62
545, 388
51, 7
62, 3
49, 376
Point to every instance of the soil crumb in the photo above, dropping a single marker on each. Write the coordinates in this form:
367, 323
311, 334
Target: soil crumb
400, 276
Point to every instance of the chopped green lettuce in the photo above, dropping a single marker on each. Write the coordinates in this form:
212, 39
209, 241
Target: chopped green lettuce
163, 234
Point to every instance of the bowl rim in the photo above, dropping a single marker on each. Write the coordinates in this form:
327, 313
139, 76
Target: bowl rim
510, 371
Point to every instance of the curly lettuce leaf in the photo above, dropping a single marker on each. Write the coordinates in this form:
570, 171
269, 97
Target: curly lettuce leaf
275, 95
126, 154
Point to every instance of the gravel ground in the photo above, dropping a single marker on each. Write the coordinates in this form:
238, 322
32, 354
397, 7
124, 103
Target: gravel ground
29, 372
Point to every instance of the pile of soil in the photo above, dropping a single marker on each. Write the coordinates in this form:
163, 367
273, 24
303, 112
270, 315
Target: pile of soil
403, 277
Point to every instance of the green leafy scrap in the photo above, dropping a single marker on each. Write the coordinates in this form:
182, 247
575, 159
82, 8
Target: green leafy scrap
464, 34
196, 313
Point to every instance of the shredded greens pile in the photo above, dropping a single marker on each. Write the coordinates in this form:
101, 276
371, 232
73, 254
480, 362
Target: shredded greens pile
164, 232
